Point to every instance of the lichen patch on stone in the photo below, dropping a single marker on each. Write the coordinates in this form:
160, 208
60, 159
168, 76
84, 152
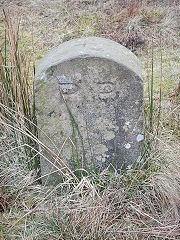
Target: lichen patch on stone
128, 146
109, 136
100, 149
140, 137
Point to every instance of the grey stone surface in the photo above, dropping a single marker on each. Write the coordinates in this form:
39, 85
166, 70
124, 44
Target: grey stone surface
90, 90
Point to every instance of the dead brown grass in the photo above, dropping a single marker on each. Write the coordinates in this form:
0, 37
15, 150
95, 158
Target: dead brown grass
141, 204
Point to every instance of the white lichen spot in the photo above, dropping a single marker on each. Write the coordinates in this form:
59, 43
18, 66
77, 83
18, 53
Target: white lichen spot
44, 77
128, 146
140, 137
129, 166
127, 123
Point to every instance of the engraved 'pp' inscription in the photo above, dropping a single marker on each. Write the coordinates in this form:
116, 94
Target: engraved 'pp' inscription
106, 90
105, 87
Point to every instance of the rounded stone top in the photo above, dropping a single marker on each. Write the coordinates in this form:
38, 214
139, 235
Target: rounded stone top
90, 47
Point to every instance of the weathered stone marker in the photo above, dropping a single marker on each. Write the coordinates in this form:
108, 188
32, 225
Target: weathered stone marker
90, 90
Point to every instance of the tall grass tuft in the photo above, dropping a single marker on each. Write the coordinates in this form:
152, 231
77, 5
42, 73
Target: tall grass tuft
17, 88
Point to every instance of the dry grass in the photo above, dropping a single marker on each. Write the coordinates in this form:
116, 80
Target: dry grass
139, 204
144, 202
